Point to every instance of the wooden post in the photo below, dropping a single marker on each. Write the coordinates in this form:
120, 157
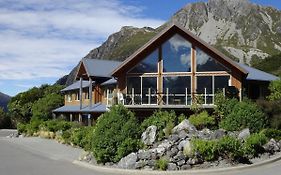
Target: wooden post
54, 115
89, 119
90, 92
70, 117
167, 96
240, 94
185, 96
205, 96
80, 118
149, 96
80, 92
133, 96
107, 96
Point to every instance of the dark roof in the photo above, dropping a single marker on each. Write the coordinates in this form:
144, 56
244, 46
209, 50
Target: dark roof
171, 27
76, 85
99, 68
109, 82
258, 75
96, 108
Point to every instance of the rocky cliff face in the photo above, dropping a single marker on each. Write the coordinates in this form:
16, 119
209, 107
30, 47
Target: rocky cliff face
4, 100
240, 29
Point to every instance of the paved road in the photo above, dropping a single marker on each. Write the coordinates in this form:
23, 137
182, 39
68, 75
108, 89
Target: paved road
34, 156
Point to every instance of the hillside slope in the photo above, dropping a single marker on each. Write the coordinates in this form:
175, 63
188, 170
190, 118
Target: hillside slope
4, 100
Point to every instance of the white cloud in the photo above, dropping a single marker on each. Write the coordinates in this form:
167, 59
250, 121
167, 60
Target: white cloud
41, 39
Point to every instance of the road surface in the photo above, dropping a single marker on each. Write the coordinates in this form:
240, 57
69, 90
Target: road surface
35, 156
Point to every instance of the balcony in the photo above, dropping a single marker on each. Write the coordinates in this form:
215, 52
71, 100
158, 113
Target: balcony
152, 99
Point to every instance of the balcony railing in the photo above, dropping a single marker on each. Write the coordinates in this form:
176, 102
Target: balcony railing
164, 99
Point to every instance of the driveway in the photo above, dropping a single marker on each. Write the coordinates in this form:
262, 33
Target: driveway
35, 156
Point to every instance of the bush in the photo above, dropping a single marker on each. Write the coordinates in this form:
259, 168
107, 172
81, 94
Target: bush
162, 164
58, 125
275, 90
229, 148
127, 146
33, 126
224, 105
253, 144
161, 119
66, 136
21, 128
205, 148
272, 133
112, 130
82, 137
273, 111
244, 114
202, 120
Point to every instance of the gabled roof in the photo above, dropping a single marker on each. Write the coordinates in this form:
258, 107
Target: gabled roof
98, 68
175, 28
258, 75
76, 85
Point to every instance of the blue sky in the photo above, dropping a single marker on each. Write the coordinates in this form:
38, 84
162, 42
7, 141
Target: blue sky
42, 40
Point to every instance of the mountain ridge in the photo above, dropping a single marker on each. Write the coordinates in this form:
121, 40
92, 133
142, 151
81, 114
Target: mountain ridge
242, 30
4, 100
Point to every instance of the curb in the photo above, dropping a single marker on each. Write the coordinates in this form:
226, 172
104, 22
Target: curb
179, 172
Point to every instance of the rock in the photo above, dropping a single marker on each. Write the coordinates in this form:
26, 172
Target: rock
172, 152
174, 138
217, 134
140, 164
151, 163
172, 167
244, 134
188, 149
182, 144
165, 144
109, 164
185, 167
185, 125
271, 146
128, 162
205, 134
85, 156
182, 134
193, 161
148, 137
144, 154
179, 156
181, 162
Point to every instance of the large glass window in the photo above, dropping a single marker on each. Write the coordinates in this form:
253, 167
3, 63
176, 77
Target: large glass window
176, 55
177, 90
149, 90
148, 65
221, 82
134, 85
205, 63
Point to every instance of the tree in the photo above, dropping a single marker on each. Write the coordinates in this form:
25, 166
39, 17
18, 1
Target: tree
5, 121
275, 90
42, 109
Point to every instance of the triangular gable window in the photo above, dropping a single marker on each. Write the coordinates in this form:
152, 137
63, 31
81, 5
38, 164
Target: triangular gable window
205, 63
148, 64
176, 53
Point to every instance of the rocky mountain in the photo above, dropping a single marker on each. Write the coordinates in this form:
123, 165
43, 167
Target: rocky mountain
4, 100
242, 30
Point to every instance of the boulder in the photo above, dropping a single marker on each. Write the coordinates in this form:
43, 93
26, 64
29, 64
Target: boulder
181, 162
185, 125
182, 134
187, 149
172, 167
185, 167
172, 152
205, 134
174, 138
148, 137
144, 154
182, 144
140, 164
128, 162
271, 146
165, 144
179, 156
244, 134
217, 134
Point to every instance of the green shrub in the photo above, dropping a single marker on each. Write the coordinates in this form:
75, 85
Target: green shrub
202, 120
82, 137
162, 164
253, 144
273, 111
224, 105
127, 146
33, 126
205, 148
112, 129
66, 136
160, 119
58, 125
229, 147
272, 133
21, 127
275, 90
244, 114
181, 118
168, 129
